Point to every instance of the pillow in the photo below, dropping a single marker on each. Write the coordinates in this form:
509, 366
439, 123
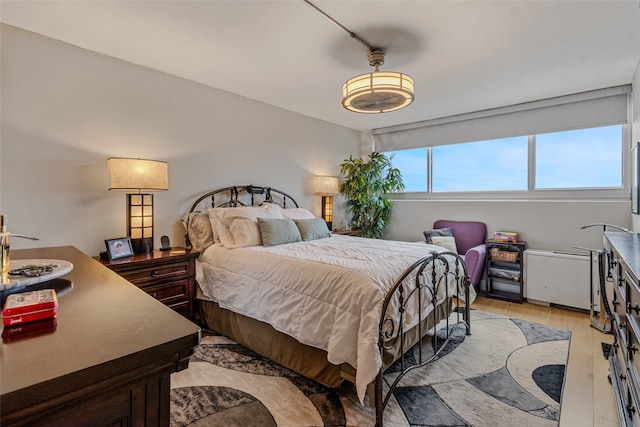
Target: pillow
437, 232
311, 229
199, 231
278, 231
214, 219
238, 227
447, 242
297, 213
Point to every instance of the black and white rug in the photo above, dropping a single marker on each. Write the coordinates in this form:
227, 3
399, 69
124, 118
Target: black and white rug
509, 372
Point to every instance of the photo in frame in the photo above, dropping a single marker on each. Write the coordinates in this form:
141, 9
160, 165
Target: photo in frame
119, 248
635, 163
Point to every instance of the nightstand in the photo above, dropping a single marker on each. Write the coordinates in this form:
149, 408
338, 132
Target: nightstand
347, 233
168, 276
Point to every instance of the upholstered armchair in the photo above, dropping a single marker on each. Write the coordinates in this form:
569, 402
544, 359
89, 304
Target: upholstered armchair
469, 238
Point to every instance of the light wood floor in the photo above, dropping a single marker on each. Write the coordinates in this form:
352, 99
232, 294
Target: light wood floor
587, 398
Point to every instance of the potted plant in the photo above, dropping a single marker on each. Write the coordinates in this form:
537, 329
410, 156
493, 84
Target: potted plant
366, 187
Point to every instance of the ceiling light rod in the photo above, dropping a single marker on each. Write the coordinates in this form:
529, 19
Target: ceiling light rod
376, 92
351, 33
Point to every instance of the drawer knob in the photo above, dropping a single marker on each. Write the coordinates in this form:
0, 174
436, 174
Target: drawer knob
635, 308
155, 295
154, 273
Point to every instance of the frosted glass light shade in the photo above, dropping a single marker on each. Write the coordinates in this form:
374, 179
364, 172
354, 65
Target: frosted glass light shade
378, 92
136, 175
326, 185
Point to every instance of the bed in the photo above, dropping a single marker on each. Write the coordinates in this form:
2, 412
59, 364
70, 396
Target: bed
273, 278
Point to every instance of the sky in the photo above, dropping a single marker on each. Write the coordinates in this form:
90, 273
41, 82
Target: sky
584, 158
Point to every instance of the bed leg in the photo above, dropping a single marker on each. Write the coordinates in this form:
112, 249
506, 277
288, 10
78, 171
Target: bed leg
378, 399
467, 309
371, 393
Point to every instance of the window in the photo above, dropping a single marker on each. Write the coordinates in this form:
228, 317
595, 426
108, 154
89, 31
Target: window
585, 158
413, 166
500, 164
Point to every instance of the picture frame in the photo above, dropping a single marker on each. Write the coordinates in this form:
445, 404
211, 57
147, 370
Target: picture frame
119, 248
635, 164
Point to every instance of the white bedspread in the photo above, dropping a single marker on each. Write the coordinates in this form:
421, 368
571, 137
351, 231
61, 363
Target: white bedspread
326, 293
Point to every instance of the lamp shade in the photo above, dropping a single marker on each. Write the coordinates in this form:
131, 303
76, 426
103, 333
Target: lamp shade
138, 175
378, 92
326, 185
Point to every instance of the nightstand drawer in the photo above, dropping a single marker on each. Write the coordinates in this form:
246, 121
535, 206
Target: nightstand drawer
170, 271
168, 276
169, 293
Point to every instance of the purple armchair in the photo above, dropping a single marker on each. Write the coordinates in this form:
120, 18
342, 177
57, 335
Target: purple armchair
470, 237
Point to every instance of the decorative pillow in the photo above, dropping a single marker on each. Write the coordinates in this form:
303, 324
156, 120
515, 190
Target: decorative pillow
238, 227
278, 231
297, 213
437, 232
447, 242
312, 229
199, 231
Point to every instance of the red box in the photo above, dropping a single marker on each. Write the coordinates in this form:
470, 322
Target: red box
29, 306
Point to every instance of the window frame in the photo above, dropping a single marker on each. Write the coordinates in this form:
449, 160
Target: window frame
610, 193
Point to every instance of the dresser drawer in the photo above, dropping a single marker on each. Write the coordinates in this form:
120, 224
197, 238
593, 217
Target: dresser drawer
169, 292
140, 276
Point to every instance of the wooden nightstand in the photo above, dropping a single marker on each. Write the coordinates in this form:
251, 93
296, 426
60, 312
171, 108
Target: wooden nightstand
347, 233
168, 276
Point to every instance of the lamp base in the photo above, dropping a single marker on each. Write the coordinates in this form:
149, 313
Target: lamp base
142, 246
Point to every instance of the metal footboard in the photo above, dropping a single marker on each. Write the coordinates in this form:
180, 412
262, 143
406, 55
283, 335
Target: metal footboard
422, 284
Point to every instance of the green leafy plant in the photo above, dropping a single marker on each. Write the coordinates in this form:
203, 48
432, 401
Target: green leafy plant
366, 187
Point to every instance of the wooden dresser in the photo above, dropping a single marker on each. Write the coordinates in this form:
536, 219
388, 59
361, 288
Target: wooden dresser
168, 276
106, 360
624, 304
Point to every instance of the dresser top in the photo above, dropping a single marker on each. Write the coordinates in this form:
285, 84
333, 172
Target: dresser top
628, 246
102, 321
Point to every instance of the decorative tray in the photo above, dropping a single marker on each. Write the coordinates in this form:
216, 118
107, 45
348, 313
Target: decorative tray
57, 268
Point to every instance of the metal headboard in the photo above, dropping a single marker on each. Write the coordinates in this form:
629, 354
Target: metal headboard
245, 195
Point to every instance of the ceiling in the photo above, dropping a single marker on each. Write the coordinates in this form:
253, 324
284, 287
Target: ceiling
464, 55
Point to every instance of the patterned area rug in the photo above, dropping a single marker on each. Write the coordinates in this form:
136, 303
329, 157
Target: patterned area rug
509, 372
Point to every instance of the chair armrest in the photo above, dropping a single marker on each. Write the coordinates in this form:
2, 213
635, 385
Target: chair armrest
475, 259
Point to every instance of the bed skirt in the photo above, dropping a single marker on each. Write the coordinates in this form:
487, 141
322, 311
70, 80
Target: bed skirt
285, 350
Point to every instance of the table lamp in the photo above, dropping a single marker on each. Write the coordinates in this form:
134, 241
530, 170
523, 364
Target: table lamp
139, 178
327, 186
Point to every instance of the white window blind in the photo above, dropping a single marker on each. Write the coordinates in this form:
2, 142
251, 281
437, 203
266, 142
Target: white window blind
596, 108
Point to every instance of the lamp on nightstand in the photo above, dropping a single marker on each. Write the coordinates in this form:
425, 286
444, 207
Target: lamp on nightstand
327, 187
139, 177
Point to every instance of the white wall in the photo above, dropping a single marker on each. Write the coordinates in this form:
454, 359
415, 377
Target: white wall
65, 110
553, 225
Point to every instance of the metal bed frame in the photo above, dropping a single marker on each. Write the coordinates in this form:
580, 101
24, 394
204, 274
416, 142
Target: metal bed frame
412, 284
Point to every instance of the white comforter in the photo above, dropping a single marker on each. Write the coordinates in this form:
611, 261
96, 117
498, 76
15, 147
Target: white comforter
326, 293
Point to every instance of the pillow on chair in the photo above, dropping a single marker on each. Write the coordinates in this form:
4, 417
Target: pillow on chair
447, 242
437, 232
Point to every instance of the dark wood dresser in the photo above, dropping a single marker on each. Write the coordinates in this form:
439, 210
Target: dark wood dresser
624, 304
105, 361
168, 276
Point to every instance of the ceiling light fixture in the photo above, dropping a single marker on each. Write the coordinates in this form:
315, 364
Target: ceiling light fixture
376, 92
